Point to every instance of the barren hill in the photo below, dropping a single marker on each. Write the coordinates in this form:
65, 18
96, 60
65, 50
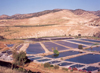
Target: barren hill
25, 16
57, 22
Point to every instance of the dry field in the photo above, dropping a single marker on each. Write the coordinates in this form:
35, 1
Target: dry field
8, 70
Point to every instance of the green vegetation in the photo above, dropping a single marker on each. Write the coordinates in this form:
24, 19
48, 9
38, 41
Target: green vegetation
56, 52
33, 25
80, 46
19, 58
61, 58
96, 44
46, 65
66, 69
51, 66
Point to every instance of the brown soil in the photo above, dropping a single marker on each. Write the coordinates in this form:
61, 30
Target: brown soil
40, 68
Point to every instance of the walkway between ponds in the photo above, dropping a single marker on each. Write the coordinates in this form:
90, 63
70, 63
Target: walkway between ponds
76, 43
24, 47
61, 45
46, 50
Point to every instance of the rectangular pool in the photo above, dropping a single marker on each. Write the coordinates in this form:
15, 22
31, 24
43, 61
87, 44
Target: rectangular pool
81, 42
42, 60
64, 54
96, 41
52, 62
91, 68
30, 56
35, 58
68, 44
86, 59
10, 45
35, 49
64, 64
50, 45
77, 66
94, 49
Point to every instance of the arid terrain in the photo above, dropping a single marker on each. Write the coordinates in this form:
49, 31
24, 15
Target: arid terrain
57, 22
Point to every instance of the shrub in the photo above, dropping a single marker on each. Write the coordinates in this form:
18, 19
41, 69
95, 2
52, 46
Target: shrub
61, 58
56, 67
51, 66
20, 69
65, 69
80, 47
29, 71
56, 52
47, 65
97, 46
71, 70
19, 58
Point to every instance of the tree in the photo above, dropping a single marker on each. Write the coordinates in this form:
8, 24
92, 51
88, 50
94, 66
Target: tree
19, 58
56, 53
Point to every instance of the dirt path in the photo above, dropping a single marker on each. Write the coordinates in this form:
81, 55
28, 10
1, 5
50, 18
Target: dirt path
46, 50
24, 47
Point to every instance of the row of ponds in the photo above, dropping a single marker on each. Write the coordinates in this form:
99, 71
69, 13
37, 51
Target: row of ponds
65, 63
61, 45
78, 61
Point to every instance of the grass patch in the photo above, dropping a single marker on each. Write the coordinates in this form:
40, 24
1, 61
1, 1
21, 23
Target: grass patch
33, 25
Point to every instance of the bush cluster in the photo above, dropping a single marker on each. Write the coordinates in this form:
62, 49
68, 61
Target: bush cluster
56, 67
80, 47
46, 65
65, 69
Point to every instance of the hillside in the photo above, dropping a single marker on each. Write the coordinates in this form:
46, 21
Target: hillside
24, 16
57, 22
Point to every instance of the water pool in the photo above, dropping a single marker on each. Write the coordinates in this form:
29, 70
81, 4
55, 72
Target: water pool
29, 56
50, 45
64, 54
87, 59
91, 68
77, 66
94, 49
68, 44
52, 62
35, 58
18, 48
10, 45
35, 49
42, 60
96, 41
64, 64
81, 42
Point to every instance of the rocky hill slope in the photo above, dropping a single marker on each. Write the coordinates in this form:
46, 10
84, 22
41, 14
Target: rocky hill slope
57, 22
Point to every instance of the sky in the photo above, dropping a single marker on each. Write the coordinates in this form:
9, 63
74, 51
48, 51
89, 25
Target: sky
11, 7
